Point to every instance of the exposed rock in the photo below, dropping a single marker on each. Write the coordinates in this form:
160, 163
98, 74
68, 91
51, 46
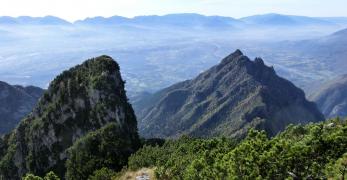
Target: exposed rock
226, 100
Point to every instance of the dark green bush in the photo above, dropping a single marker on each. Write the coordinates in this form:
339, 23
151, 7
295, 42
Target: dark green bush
107, 147
313, 151
103, 174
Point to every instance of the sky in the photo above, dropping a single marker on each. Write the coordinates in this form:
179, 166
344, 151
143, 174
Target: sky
79, 9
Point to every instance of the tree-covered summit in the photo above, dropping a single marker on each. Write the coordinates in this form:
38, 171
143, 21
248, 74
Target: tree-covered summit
82, 99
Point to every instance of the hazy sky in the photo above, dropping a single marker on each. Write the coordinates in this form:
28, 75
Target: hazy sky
79, 9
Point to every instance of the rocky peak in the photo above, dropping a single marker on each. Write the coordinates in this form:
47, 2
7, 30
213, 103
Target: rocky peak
232, 57
259, 61
237, 53
226, 100
80, 100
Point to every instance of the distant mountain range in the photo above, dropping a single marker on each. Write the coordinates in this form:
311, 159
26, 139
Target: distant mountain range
173, 47
180, 20
27, 20
226, 100
331, 97
285, 20
15, 103
183, 20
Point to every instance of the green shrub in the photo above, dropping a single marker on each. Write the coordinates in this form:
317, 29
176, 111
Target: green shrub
313, 151
31, 177
185, 158
103, 174
107, 147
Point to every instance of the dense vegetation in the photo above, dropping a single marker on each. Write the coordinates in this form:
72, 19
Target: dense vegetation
107, 147
49, 176
314, 151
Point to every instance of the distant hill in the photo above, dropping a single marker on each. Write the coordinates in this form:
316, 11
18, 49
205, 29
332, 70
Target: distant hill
27, 20
7, 20
331, 97
184, 20
328, 53
227, 99
337, 20
284, 20
82, 99
309, 62
15, 103
178, 20
189, 19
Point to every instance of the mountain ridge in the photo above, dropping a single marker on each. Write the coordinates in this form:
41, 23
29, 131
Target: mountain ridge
331, 97
281, 19
272, 18
29, 20
15, 103
226, 100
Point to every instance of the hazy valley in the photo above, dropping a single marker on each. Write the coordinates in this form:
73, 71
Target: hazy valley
179, 96
169, 50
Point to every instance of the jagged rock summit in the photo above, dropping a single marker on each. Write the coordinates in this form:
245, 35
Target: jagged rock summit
226, 100
80, 100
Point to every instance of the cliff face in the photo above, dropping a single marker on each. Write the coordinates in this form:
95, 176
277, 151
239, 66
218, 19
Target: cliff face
226, 100
80, 100
15, 103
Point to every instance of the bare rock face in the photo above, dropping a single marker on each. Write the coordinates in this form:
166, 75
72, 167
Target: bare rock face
15, 103
80, 100
226, 100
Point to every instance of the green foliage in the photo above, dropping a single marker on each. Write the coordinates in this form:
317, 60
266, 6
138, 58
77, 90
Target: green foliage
185, 158
338, 169
103, 174
244, 160
314, 151
49, 176
299, 152
107, 147
31, 177
147, 156
7, 166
